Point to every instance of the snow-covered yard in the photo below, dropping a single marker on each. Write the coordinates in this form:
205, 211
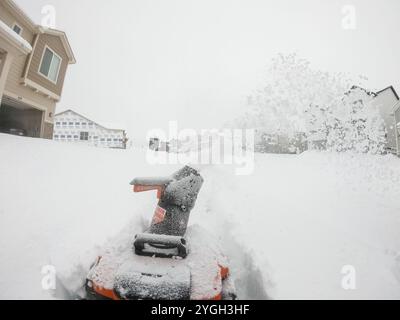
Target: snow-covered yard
289, 228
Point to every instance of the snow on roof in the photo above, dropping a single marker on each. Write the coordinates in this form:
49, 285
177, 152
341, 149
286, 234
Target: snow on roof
113, 126
109, 126
15, 38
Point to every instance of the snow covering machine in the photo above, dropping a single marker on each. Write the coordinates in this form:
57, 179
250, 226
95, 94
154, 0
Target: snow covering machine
169, 261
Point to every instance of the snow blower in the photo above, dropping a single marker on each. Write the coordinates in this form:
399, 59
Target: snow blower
169, 261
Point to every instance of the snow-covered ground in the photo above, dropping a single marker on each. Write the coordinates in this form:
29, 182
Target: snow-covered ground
288, 229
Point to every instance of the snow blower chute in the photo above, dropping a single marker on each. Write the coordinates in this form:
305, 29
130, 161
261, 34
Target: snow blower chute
169, 261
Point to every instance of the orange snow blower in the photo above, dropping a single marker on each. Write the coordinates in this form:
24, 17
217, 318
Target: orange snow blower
169, 261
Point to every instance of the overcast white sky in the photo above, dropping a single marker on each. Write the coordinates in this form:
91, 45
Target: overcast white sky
145, 62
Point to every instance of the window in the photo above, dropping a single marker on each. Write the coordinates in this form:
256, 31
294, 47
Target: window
56, 137
77, 123
76, 137
17, 28
58, 123
84, 136
50, 65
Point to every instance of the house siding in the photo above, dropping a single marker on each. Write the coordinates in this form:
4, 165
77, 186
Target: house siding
55, 44
69, 125
26, 94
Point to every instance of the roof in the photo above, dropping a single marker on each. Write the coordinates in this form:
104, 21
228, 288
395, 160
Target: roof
390, 88
17, 11
102, 126
375, 94
64, 40
113, 126
21, 14
14, 39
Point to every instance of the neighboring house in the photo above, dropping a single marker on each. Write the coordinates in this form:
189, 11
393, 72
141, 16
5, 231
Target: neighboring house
33, 65
388, 102
70, 126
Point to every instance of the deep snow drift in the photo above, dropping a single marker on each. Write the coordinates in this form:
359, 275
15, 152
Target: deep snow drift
289, 228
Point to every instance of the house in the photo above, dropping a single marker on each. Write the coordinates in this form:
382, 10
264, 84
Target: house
33, 64
388, 102
72, 127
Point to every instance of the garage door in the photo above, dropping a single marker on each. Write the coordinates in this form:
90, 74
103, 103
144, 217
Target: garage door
19, 118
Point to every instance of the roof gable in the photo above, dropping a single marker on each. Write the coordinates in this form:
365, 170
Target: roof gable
64, 40
18, 12
78, 114
392, 89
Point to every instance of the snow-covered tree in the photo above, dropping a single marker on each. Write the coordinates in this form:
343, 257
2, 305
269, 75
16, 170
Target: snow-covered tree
354, 124
297, 98
291, 86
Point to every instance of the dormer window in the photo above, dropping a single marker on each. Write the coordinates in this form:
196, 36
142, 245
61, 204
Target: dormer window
50, 65
17, 28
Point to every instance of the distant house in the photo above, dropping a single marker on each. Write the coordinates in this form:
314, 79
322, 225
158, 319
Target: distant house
156, 144
72, 127
33, 64
280, 143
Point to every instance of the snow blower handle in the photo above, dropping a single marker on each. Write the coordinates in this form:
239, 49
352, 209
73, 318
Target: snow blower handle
148, 184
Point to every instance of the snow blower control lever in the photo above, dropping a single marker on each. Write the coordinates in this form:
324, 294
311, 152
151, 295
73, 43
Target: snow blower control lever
177, 196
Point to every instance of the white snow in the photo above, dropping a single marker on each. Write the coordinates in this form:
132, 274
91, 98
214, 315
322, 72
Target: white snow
288, 229
15, 37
